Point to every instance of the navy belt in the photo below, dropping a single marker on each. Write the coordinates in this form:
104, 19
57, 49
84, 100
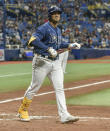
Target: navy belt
47, 57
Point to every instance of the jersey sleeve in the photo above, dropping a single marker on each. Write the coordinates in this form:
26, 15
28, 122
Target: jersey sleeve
63, 45
36, 39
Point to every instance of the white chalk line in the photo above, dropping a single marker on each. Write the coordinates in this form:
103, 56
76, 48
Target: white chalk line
5, 116
45, 93
51, 92
11, 75
81, 118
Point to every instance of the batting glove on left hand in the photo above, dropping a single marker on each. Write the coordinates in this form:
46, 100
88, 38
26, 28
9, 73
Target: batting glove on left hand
74, 46
52, 52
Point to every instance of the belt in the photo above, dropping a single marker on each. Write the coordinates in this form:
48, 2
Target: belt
47, 57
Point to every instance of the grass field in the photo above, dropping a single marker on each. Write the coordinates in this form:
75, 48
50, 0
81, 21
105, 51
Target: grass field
98, 98
80, 71
13, 77
18, 76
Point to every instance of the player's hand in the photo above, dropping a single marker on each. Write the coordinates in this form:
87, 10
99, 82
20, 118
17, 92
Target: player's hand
52, 52
74, 46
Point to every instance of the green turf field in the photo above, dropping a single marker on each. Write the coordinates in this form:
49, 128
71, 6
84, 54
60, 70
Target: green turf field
78, 71
15, 77
98, 98
18, 76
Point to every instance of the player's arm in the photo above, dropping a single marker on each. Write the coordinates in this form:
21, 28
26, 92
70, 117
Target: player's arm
68, 46
36, 41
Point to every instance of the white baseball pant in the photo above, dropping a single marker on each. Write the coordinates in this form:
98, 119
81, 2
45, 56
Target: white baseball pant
42, 67
63, 57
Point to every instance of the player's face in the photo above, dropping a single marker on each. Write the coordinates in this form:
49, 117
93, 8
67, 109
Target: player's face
56, 16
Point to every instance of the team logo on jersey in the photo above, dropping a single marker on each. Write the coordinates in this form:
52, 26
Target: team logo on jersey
53, 38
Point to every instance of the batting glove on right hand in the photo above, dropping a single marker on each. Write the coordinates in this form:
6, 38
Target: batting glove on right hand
52, 52
74, 46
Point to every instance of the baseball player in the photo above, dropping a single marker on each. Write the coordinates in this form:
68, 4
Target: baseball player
46, 42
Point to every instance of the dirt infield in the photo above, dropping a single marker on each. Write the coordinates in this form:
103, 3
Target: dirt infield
45, 118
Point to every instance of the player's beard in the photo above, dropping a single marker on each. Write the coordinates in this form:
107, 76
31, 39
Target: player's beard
53, 21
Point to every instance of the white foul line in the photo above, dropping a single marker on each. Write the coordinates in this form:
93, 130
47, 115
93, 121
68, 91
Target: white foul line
5, 116
51, 92
11, 75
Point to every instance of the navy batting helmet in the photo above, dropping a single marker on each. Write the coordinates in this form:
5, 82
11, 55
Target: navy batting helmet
53, 9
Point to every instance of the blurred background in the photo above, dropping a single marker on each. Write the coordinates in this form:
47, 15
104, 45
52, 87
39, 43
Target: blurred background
84, 21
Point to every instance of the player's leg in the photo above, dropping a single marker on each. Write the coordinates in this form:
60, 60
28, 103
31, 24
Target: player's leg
39, 73
57, 78
37, 80
64, 61
38, 77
